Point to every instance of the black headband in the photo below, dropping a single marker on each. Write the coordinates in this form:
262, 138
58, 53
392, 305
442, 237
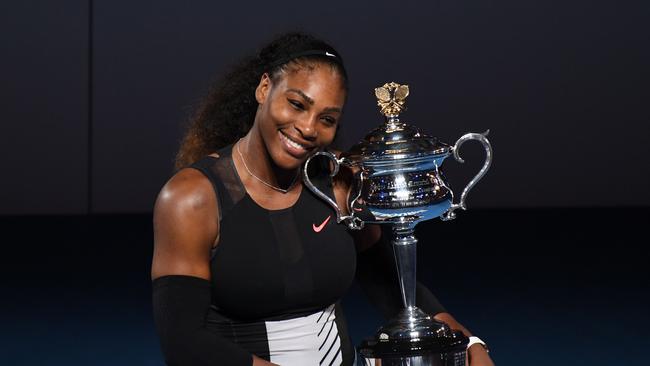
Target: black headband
324, 53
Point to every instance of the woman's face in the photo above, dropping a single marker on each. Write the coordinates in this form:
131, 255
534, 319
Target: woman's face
299, 112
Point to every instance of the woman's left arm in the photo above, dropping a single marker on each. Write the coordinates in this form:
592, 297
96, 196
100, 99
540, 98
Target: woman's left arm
381, 287
477, 354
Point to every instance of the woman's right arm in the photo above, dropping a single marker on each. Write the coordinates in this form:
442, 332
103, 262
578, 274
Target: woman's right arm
186, 226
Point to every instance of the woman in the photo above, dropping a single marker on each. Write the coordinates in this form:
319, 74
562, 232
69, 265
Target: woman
248, 265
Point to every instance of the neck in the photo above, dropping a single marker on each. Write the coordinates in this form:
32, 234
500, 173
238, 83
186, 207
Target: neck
258, 160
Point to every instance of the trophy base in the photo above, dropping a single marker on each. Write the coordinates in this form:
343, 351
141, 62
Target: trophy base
455, 359
416, 339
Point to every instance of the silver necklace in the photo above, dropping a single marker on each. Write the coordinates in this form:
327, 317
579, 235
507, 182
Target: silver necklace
293, 182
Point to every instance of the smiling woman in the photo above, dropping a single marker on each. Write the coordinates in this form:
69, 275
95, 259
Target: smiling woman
298, 112
248, 266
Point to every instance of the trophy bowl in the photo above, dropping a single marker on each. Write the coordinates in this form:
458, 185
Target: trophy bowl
398, 182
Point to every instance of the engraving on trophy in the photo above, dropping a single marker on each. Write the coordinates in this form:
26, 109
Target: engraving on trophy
406, 190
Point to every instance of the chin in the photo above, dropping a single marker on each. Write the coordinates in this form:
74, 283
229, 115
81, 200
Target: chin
287, 161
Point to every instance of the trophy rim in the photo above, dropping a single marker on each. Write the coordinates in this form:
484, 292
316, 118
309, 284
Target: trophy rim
357, 157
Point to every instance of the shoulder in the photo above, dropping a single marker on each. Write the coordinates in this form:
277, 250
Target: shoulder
185, 225
188, 190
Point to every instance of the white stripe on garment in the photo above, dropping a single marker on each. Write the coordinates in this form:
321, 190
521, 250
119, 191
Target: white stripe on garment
370, 361
311, 340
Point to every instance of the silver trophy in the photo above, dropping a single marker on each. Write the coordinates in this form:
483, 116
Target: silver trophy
398, 182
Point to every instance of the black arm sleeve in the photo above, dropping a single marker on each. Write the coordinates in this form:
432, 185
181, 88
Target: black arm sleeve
180, 306
377, 277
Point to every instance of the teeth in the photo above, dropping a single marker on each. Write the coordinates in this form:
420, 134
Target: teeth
293, 143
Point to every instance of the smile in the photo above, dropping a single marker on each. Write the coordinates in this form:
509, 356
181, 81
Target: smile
294, 148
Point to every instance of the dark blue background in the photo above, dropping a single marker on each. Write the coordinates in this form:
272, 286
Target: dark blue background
542, 287
549, 265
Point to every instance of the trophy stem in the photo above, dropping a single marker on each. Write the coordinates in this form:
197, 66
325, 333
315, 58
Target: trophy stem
405, 250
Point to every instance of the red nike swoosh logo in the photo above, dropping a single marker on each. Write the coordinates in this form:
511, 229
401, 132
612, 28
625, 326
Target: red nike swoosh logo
321, 226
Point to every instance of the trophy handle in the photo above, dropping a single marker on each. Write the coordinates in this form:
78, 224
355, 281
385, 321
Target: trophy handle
352, 221
482, 138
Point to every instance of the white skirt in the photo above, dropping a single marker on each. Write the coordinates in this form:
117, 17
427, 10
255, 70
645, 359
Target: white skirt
311, 340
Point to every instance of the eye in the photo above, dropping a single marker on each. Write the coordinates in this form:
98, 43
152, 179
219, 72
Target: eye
329, 120
296, 104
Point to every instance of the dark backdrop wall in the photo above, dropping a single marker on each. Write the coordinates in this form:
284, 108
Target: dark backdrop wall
549, 264
95, 97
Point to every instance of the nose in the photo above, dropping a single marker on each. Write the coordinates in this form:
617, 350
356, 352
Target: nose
307, 128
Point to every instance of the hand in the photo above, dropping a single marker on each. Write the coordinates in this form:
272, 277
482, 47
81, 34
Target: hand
262, 362
478, 356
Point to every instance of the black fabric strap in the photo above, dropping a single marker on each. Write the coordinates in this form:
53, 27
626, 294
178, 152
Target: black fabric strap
223, 176
206, 166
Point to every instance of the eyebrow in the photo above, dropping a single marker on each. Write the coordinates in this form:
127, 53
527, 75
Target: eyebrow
311, 101
332, 109
300, 92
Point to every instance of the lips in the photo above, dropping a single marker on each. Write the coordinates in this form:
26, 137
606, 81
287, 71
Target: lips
294, 148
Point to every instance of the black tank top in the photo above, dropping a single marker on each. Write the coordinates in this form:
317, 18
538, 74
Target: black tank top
275, 264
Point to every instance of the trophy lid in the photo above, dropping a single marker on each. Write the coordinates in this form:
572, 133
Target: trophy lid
395, 139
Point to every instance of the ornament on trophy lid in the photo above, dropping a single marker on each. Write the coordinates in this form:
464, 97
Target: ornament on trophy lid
391, 97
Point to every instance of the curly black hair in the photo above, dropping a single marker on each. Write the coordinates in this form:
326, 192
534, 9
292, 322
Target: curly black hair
228, 111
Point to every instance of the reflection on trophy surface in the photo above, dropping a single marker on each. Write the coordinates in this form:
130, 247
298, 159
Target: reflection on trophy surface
400, 183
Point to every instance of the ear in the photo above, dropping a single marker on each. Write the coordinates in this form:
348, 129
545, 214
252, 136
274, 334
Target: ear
263, 88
